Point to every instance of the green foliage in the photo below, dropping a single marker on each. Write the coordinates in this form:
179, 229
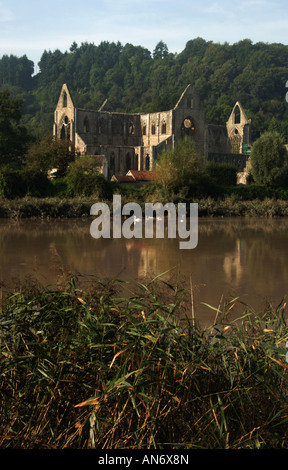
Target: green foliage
160, 51
48, 153
16, 71
135, 80
15, 183
11, 183
13, 137
35, 182
269, 160
222, 174
84, 179
180, 169
83, 368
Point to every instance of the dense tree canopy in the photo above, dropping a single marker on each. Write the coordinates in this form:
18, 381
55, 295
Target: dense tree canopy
48, 153
134, 80
13, 136
269, 160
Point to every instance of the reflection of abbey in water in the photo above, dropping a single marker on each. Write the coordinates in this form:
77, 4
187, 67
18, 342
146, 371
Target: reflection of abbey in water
124, 141
234, 263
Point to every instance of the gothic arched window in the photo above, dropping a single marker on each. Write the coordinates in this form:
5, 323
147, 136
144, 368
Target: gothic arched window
86, 124
237, 115
112, 162
147, 162
64, 103
128, 161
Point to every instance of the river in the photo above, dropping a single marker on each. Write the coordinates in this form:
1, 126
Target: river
235, 257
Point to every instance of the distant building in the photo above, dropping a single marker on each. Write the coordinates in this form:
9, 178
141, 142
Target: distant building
127, 141
135, 177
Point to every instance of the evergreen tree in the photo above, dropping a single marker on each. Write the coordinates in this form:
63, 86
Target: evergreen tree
161, 51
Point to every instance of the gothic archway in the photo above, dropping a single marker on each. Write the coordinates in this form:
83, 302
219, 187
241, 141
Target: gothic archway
64, 102
86, 126
128, 161
65, 129
112, 163
147, 162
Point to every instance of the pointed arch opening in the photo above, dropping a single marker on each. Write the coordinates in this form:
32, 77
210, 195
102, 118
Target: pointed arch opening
65, 129
237, 115
86, 126
128, 161
64, 102
112, 163
147, 162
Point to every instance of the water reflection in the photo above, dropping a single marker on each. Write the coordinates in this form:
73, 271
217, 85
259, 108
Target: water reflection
234, 257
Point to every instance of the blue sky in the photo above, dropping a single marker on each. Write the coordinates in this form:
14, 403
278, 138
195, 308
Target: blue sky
29, 27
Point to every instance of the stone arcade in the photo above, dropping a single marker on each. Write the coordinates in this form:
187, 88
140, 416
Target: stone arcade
124, 141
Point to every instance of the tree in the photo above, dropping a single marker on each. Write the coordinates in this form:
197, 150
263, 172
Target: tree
161, 51
269, 160
49, 153
222, 174
73, 47
84, 179
13, 137
180, 169
16, 71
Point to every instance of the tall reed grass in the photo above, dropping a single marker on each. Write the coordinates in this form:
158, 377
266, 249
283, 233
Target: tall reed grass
83, 367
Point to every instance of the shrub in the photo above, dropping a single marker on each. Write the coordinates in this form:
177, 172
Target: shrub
84, 179
35, 182
269, 160
222, 174
49, 153
180, 170
26, 182
11, 183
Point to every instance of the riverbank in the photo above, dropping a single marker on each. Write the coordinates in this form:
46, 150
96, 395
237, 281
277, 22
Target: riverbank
83, 368
57, 207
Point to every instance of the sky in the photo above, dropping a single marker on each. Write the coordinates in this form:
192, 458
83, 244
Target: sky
32, 26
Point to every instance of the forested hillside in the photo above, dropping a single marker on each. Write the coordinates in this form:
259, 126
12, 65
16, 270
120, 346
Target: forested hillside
135, 80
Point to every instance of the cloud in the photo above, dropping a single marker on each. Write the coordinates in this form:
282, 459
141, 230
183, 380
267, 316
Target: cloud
5, 13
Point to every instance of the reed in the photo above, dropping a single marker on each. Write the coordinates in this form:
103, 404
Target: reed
83, 366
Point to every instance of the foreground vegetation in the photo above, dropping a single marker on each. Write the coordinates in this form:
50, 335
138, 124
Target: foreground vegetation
84, 367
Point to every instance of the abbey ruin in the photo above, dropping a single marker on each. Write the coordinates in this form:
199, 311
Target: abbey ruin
124, 141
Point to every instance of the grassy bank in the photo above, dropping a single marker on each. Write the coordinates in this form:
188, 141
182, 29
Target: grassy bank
52, 207
58, 207
81, 367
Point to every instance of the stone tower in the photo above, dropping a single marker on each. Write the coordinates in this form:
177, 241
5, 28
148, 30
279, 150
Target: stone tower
239, 130
64, 116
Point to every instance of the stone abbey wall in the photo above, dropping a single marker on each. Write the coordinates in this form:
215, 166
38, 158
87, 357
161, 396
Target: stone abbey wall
133, 141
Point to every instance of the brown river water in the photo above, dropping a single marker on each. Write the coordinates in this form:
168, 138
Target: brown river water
235, 257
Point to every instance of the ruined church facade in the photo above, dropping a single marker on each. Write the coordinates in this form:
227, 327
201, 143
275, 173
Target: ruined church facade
128, 141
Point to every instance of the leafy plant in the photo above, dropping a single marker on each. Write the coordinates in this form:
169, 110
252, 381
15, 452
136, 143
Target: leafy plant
84, 367
269, 160
84, 179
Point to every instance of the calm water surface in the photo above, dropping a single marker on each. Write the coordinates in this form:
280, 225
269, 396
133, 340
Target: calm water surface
247, 258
